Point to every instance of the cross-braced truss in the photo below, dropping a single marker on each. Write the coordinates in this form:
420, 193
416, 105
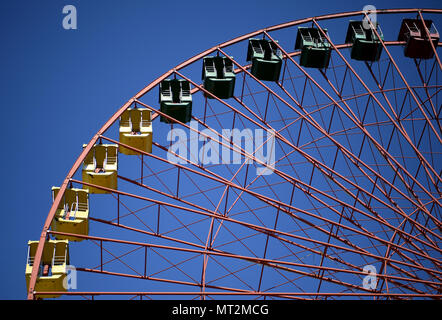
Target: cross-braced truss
356, 182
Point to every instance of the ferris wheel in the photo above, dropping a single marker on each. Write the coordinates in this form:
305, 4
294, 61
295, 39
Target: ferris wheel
299, 161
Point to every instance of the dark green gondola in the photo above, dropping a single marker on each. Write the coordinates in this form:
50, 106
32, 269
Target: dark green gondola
315, 49
366, 46
218, 76
266, 59
175, 100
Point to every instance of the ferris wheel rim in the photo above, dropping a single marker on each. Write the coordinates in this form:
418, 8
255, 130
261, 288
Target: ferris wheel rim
153, 84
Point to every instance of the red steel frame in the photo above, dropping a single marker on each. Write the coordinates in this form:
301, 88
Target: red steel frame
410, 247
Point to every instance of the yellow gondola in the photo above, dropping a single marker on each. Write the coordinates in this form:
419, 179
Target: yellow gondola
72, 215
53, 266
136, 130
100, 167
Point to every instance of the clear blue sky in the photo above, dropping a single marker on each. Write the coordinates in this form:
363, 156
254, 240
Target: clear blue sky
57, 87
